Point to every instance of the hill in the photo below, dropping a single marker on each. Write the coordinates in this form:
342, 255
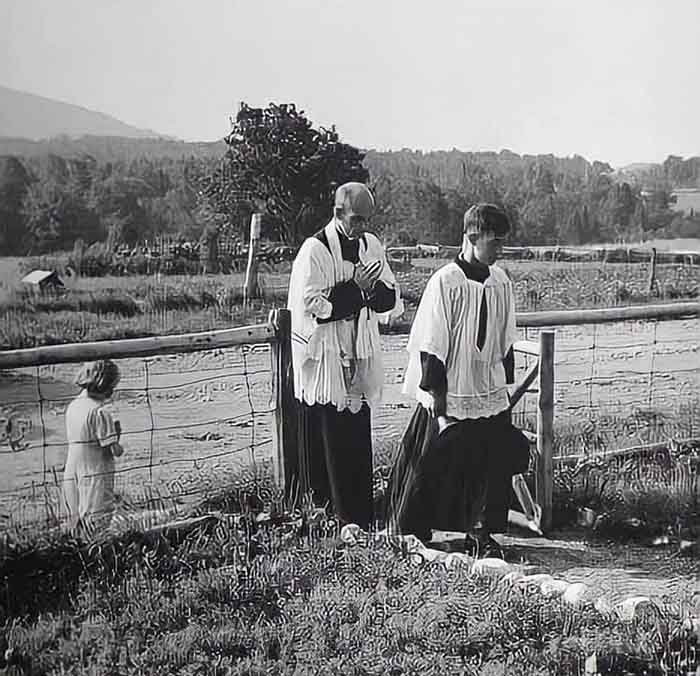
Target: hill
673, 173
28, 116
111, 148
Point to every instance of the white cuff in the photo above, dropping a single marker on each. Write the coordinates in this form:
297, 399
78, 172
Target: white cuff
322, 308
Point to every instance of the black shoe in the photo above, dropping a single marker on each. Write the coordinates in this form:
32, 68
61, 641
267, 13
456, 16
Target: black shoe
472, 546
425, 538
487, 547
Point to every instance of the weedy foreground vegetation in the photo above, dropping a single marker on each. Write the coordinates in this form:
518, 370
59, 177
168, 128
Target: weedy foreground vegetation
241, 597
253, 588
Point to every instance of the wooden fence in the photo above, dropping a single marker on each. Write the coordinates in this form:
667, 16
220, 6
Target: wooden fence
568, 254
277, 333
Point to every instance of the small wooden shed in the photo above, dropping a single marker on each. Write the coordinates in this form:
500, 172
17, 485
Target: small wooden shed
43, 280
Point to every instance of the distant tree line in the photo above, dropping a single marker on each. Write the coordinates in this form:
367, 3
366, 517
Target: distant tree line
123, 191
49, 202
551, 200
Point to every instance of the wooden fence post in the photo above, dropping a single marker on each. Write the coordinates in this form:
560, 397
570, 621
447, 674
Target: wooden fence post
651, 286
545, 427
250, 288
284, 432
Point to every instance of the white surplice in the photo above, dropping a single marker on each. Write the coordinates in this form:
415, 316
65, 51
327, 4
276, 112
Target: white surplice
337, 362
447, 324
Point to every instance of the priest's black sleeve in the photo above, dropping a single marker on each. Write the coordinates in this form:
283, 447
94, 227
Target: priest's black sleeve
433, 374
434, 380
509, 366
346, 299
382, 298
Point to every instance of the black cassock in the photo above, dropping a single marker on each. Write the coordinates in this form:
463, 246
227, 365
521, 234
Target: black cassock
446, 481
334, 449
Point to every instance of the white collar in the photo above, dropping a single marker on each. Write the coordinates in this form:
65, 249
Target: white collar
341, 227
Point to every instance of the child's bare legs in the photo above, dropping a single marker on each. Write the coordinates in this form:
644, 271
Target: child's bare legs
71, 498
97, 499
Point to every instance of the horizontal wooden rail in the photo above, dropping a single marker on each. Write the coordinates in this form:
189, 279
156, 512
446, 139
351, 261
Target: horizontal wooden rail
567, 254
613, 314
137, 347
621, 452
263, 333
527, 347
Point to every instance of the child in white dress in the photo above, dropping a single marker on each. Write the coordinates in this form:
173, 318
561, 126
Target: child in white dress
93, 443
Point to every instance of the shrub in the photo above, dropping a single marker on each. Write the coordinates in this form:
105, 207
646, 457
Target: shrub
95, 261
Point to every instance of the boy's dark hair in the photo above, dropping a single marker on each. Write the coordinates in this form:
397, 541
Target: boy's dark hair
486, 217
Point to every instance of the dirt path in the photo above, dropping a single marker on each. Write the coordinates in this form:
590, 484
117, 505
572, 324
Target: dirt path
614, 570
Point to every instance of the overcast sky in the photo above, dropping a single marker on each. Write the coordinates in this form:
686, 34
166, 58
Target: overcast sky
612, 80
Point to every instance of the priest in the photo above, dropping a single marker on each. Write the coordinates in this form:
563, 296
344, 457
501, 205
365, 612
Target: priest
341, 287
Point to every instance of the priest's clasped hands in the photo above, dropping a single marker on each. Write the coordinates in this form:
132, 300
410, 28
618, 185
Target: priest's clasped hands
366, 274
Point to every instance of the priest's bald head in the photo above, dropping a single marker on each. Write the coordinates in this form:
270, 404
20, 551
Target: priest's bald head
354, 205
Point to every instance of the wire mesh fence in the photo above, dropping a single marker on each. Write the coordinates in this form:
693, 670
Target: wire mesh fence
626, 384
192, 422
617, 384
626, 418
626, 449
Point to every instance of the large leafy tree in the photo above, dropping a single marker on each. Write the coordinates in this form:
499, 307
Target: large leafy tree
56, 206
120, 202
14, 183
55, 216
277, 162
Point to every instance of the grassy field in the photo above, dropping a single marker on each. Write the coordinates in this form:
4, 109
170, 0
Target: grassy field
126, 307
133, 306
